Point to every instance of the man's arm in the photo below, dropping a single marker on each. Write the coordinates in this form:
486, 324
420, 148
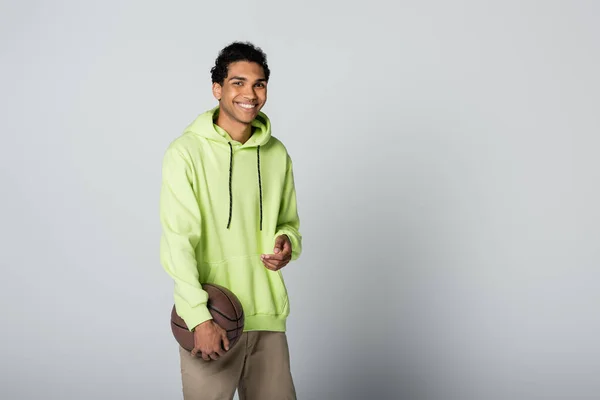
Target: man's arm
180, 220
288, 240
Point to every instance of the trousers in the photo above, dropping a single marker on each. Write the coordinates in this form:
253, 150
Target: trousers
258, 367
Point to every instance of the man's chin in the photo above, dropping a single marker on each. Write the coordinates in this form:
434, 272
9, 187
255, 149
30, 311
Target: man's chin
246, 119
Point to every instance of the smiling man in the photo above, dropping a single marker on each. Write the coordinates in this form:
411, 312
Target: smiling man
229, 216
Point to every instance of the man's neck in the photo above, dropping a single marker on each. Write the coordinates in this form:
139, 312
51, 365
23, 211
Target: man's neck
238, 131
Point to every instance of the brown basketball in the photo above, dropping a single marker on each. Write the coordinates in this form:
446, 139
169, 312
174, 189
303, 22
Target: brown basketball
226, 311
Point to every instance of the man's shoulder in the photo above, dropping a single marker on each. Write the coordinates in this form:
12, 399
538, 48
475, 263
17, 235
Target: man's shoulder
277, 145
184, 144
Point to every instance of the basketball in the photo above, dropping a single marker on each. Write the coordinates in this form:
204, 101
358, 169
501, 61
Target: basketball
226, 311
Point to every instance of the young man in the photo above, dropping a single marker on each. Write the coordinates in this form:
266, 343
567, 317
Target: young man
229, 217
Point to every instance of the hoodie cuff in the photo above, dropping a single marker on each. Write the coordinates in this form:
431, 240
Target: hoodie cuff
196, 316
294, 240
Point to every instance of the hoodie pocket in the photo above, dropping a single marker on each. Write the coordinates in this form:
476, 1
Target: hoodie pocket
261, 291
207, 273
285, 303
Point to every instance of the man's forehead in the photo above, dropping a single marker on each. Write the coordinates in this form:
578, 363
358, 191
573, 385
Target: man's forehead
246, 69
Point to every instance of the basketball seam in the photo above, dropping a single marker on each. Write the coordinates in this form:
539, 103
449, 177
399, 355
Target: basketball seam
186, 329
222, 315
230, 302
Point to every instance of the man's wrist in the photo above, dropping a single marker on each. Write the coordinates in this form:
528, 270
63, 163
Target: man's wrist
199, 325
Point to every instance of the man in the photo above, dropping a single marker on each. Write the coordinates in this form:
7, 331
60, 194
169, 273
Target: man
229, 217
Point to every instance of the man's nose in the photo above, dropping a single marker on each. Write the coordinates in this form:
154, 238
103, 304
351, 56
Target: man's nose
250, 93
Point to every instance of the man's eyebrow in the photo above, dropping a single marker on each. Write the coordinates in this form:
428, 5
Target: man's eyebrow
241, 78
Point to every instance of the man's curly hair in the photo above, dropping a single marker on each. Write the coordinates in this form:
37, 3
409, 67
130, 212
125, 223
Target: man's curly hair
238, 51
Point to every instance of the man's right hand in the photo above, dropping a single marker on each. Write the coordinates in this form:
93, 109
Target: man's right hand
208, 337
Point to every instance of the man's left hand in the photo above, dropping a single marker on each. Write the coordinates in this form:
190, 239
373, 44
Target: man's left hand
282, 254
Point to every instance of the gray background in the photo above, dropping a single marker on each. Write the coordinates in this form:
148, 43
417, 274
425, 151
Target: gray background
447, 174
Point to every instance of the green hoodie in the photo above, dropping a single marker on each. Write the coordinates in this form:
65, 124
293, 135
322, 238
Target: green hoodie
222, 204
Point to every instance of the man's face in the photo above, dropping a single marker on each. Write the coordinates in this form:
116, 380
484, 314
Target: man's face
243, 93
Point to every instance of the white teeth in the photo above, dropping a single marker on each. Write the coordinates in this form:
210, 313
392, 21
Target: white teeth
247, 105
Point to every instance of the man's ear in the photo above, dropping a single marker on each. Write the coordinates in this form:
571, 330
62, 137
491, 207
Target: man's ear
217, 91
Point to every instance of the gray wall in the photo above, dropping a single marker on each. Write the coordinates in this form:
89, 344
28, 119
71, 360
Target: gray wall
447, 175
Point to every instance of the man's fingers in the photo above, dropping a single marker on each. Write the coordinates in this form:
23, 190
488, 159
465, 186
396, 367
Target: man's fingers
205, 357
220, 351
225, 341
275, 257
287, 247
268, 265
285, 255
274, 266
271, 265
279, 244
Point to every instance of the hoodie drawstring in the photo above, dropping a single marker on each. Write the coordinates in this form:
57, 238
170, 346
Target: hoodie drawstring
259, 184
230, 193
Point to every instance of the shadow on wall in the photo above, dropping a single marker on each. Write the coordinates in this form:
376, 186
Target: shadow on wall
376, 383
387, 233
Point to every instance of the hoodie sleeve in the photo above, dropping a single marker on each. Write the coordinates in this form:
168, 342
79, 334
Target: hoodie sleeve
180, 221
288, 222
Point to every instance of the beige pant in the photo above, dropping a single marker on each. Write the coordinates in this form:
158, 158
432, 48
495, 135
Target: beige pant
258, 366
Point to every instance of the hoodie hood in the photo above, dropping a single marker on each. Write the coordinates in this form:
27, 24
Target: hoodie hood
204, 125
